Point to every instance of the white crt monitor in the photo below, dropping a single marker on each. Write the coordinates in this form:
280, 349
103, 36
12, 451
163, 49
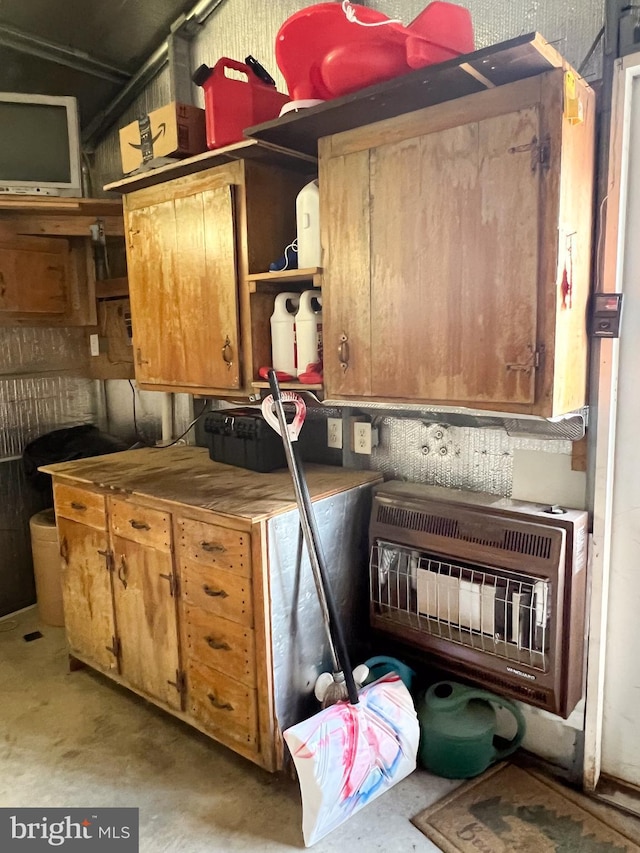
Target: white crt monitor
39, 145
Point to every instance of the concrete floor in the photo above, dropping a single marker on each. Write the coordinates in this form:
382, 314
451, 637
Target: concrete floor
78, 740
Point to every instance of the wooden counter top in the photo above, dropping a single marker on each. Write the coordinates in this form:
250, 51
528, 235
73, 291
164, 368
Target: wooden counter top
186, 475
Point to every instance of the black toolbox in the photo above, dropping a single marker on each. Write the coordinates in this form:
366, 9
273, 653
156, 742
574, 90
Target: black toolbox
242, 437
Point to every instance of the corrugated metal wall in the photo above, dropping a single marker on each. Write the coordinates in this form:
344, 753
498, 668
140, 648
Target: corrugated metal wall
40, 390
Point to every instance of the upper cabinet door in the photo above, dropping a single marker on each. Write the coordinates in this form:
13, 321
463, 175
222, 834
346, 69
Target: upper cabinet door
34, 275
346, 303
183, 289
454, 263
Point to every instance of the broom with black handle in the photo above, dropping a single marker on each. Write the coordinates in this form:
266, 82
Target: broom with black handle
343, 686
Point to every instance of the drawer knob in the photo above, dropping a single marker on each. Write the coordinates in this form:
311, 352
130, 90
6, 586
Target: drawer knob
221, 706
216, 644
214, 547
214, 593
139, 525
78, 506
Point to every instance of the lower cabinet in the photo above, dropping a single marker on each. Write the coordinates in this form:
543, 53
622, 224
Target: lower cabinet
193, 606
86, 575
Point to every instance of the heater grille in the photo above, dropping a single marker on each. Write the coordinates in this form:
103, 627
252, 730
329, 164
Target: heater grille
498, 612
488, 533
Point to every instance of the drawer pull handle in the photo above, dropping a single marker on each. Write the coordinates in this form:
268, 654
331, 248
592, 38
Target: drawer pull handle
216, 644
221, 706
214, 593
77, 505
139, 525
122, 572
214, 547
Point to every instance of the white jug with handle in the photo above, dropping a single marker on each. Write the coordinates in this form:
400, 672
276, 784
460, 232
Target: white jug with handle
309, 330
283, 341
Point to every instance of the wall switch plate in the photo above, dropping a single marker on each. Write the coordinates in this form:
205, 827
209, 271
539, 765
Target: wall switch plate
94, 343
362, 437
334, 432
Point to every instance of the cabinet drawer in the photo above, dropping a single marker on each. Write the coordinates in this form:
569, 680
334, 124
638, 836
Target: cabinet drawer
211, 545
148, 527
222, 704
80, 505
218, 592
221, 644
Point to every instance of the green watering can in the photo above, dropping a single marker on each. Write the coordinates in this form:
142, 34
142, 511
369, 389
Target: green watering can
457, 730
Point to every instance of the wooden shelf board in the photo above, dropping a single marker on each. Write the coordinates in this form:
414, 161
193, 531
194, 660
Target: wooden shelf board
248, 149
524, 56
290, 386
40, 204
285, 275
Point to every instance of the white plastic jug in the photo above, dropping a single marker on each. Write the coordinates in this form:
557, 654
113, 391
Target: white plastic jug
309, 330
308, 226
283, 341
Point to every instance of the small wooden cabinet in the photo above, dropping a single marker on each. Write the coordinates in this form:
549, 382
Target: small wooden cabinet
176, 571
47, 270
192, 241
457, 247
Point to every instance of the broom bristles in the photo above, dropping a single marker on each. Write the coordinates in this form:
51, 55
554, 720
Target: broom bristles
336, 691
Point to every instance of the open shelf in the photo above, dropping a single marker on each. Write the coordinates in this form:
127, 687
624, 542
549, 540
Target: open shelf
515, 59
290, 386
267, 280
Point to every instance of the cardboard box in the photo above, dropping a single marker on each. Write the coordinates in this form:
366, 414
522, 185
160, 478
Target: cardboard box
174, 130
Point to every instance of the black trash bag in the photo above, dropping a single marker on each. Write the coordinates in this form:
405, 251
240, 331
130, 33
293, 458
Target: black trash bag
64, 445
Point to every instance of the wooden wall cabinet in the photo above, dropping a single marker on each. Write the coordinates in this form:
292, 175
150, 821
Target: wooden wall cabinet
191, 242
47, 271
457, 246
168, 560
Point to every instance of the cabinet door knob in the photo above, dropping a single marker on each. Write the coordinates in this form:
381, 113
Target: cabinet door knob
217, 644
227, 353
78, 506
343, 351
214, 547
221, 706
139, 525
214, 593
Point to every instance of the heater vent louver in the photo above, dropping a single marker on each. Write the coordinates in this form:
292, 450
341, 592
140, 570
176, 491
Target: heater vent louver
487, 533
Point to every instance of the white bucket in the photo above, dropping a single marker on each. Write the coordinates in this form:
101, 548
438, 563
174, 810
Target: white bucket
309, 330
283, 340
308, 226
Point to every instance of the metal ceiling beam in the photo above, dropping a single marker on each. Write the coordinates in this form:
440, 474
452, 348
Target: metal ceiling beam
61, 55
187, 25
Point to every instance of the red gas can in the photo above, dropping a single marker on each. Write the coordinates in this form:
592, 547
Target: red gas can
232, 104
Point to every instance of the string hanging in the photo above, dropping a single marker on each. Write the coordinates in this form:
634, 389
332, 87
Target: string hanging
351, 16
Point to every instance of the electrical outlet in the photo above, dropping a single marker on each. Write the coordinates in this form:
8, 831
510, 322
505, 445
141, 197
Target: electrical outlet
94, 344
362, 437
334, 432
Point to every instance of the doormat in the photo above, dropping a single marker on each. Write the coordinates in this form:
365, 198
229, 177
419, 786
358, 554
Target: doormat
510, 809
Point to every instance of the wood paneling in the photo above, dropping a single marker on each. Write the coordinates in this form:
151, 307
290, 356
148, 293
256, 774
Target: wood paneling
218, 592
86, 592
34, 275
346, 249
185, 476
211, 545
454, 282
221, 644
148, 527
81, 505
222, 704
146, 619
